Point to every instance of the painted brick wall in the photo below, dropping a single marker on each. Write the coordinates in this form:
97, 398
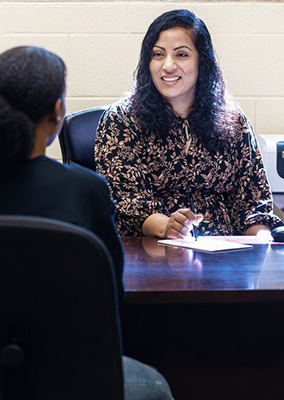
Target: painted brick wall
100, 43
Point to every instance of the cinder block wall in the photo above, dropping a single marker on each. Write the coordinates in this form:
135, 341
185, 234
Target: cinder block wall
100, 43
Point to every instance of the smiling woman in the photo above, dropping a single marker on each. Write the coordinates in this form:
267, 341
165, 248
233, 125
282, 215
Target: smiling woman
174, 68
178, 137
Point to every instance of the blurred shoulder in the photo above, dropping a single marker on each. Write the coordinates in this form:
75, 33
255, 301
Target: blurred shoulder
74, 172
87, 175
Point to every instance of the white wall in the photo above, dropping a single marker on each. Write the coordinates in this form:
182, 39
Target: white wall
100, 43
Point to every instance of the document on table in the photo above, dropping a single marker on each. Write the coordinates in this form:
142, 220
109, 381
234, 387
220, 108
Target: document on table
206, 244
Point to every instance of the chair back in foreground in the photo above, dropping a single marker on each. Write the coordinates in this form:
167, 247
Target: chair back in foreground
59, 325
77, 136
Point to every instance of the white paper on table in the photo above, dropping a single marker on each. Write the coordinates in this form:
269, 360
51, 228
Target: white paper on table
206, 244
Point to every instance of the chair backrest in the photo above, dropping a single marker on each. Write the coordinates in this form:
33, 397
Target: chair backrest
77, 136
58, 311
280, 159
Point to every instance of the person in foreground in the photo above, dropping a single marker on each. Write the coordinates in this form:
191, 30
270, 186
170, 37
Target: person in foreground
32, 108
177, 137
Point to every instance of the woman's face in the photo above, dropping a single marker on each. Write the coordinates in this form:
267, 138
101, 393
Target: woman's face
174, 68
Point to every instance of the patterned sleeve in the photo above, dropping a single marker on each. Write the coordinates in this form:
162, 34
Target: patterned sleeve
117, 158
251, 201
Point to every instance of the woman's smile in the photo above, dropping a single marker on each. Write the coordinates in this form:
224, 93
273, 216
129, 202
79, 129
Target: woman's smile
170, 80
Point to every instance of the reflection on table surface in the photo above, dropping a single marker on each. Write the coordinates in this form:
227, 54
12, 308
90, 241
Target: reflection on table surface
155, 273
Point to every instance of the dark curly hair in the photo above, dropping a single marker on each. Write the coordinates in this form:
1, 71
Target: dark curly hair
212, 116
32, 79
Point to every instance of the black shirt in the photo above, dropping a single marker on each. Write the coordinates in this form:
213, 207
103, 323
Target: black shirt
45, 188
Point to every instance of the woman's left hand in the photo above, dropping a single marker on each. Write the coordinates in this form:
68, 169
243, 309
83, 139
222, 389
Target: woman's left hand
262, 231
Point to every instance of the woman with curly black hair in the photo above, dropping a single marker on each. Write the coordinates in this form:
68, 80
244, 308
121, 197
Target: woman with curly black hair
179, 136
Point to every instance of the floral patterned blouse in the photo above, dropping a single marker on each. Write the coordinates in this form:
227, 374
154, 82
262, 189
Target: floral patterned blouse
148, 174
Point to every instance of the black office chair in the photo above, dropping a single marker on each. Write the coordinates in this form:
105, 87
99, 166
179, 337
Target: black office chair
77, 136
59, 325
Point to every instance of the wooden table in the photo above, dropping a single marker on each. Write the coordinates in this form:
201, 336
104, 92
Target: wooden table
159, 274
213, 324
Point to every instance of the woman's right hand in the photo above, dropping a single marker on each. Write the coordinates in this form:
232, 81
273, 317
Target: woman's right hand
181, 222
178, 225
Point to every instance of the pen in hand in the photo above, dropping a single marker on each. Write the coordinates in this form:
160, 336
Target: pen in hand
195, 233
